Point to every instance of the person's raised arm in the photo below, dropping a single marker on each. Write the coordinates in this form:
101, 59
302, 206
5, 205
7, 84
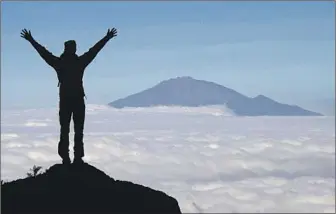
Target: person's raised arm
43, 52
87, 57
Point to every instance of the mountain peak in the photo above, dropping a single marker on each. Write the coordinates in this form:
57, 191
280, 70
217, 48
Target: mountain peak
261, 97
184, 78
187, 91
181, 78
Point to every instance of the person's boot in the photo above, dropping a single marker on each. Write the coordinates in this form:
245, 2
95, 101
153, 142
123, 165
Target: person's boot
78, 160
63, 149
78, 149
66, 160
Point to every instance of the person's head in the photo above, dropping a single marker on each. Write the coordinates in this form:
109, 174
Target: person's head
70, 47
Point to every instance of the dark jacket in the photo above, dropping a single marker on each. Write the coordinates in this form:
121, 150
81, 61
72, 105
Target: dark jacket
70, 68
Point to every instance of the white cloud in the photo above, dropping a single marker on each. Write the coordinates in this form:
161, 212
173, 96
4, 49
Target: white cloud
205, 158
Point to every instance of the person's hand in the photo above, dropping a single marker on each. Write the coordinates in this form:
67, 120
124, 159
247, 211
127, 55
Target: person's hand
111, 33
26, 35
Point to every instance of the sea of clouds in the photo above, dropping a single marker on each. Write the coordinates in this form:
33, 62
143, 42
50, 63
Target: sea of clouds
207, 158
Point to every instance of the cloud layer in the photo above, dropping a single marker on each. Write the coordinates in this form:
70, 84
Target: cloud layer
208, 159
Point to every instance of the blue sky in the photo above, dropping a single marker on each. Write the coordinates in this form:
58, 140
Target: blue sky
284, 50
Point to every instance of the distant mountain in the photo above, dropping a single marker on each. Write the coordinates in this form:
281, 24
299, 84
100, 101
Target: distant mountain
325, 106
186, 91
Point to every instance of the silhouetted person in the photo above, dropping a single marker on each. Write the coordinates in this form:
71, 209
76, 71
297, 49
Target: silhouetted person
70, 69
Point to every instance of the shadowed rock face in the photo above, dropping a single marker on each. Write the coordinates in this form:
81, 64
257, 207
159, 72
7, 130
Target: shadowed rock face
81, 189
186, 91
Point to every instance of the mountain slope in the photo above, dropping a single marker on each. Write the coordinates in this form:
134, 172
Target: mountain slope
81, 189
186, 91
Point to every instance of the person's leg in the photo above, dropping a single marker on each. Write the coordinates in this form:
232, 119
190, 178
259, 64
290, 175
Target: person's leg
64, 119
79, 118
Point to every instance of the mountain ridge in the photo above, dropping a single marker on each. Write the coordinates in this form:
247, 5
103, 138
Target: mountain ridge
189, 92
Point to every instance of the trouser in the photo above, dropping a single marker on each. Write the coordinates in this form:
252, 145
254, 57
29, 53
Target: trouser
74, 107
